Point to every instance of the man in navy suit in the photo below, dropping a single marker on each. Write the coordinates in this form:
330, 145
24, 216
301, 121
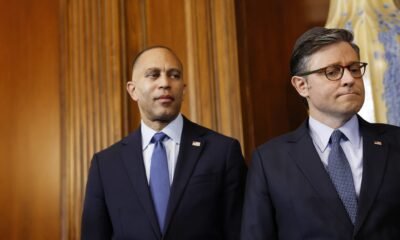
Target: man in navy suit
205, 171
309, 185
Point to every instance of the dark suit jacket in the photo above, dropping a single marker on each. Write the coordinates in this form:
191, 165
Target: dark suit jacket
206, 194
289, 194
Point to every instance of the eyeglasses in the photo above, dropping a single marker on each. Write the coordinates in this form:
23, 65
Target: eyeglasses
335, 72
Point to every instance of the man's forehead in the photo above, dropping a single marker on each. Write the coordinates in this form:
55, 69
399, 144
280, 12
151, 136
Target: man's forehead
334, 52
158, 57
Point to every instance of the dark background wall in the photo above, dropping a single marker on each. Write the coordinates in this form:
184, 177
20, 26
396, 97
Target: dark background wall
266, 33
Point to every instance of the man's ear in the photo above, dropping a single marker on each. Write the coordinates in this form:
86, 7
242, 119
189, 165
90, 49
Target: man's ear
184, 89
131, 88
301, 85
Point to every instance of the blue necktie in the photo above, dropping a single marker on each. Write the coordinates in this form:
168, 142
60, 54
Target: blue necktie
159, 178
341, 176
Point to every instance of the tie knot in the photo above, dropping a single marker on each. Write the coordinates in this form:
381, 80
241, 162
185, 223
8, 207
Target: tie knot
336, 136
158, 137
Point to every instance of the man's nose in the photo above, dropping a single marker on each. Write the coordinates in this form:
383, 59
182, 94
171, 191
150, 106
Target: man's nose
347, 78
164, 81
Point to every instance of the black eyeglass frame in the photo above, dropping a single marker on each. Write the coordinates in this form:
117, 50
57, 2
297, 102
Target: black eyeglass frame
363, 66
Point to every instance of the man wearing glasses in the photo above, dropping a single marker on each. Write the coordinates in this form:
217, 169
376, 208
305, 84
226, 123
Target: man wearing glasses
336, 176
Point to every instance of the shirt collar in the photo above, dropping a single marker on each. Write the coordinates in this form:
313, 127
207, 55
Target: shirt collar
321, 133
173, 130
352, 131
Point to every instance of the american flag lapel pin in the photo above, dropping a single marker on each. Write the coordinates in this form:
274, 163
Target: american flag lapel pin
196, 143
378, 143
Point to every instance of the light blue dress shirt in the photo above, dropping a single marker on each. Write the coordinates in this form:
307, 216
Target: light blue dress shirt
352, 147
174, 132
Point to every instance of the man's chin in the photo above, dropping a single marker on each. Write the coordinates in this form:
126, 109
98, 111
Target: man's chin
350, 110
165, 118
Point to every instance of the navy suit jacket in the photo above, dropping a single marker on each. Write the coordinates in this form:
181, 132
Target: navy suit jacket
206, 194
289, 194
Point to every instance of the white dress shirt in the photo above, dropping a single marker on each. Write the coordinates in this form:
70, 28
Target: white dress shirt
352, 146
174, 132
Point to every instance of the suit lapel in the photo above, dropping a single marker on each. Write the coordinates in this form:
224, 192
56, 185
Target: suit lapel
132, 157
189, 152
310, 164
375, 153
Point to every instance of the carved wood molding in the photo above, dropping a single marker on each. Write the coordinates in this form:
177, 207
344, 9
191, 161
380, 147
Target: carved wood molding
93, 78
213, 72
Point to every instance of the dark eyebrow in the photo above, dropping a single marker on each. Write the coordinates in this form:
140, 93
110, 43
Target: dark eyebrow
338, 64
174, 70
152, 69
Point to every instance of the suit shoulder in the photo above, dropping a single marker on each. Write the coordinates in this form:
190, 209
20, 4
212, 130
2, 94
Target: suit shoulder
388, 131
211, 134
110, 150
116, 147
386, 127
276, 142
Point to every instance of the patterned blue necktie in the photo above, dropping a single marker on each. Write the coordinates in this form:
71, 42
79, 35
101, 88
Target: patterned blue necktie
341, 176
159, 178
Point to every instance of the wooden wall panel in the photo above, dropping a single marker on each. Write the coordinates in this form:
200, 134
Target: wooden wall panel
29, 120
215, 99
93, 78
267, 31
200, 63
135, 40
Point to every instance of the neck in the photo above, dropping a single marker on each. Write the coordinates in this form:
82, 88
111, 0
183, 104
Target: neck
156, 125
331, 121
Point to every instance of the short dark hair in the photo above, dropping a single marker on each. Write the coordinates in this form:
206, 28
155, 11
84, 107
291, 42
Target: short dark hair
137, 57
313, 40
